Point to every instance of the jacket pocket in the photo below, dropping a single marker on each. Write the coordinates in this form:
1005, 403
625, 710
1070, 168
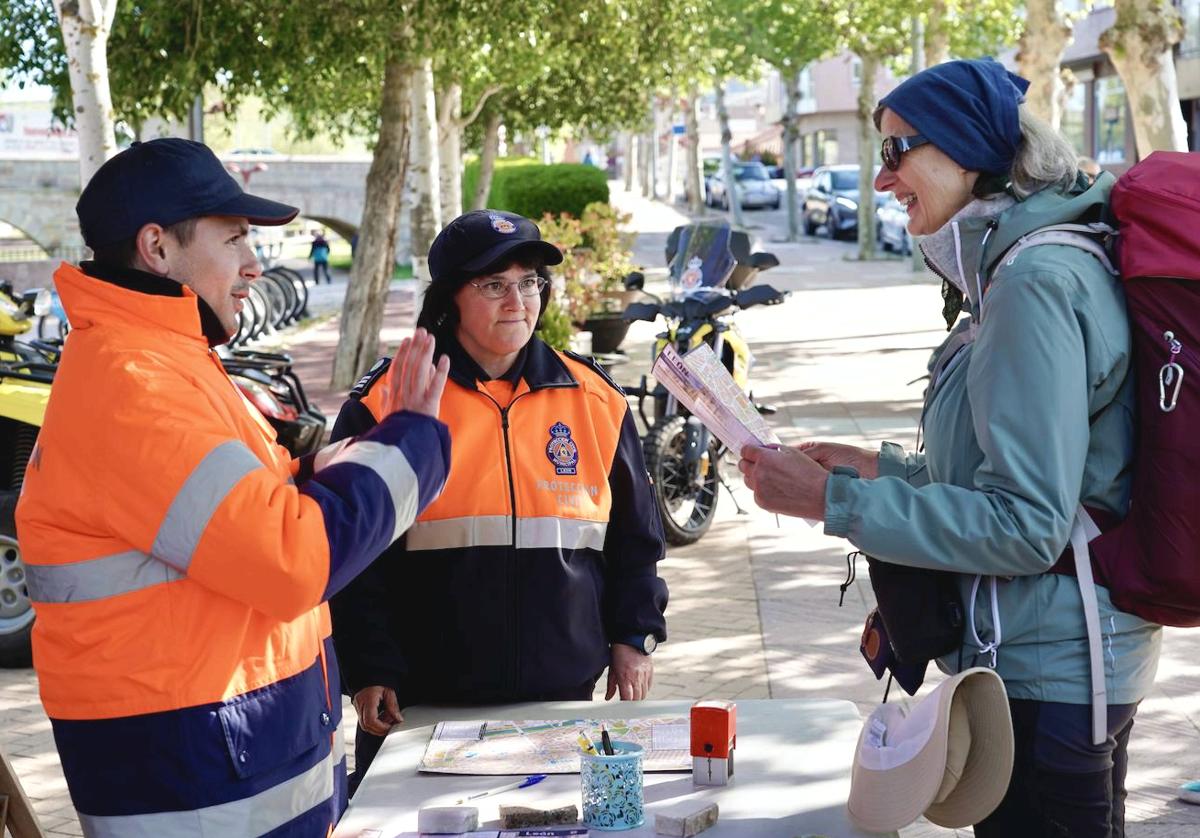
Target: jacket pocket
272, 726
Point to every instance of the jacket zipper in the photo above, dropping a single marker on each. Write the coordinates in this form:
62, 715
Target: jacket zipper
514, 571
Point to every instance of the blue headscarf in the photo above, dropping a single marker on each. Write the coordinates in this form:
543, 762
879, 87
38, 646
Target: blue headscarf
968, 109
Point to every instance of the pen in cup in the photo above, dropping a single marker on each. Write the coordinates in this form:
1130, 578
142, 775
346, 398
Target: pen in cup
586, 743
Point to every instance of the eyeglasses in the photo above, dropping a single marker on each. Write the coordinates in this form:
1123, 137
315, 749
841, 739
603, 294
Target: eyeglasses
530, 286
893, 148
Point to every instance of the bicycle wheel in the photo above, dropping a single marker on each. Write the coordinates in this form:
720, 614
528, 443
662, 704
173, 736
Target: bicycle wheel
279, 308
301, 291
288, 290
260, 305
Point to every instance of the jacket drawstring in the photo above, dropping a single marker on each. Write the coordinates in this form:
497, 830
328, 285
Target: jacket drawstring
992, 647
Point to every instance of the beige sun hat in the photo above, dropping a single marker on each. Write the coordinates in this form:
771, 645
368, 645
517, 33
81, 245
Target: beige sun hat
950, 759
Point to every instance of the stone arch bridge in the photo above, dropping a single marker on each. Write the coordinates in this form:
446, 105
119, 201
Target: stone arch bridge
38, 195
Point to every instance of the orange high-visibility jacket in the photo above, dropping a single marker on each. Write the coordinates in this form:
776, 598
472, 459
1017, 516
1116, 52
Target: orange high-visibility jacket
540, 553
178, 561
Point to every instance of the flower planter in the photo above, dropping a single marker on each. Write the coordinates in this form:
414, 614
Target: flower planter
607, 332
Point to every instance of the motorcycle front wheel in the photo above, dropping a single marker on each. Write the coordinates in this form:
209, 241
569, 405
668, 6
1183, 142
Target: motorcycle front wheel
16, 611
685, 494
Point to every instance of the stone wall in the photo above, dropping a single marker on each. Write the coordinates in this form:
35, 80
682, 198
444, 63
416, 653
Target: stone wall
24, 275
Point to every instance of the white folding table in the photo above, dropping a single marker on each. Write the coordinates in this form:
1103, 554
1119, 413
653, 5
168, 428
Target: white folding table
792, 771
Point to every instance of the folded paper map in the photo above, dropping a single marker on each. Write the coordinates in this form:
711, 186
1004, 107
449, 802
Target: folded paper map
706, 388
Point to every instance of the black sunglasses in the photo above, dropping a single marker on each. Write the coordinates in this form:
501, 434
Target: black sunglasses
893, 148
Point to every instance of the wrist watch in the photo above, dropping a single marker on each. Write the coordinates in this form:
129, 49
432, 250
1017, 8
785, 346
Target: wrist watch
646, 644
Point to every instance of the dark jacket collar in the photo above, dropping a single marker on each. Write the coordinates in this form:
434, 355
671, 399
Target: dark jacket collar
537, 363
144, 282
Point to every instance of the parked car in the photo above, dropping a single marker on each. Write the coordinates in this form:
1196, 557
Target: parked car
753, 186
803, 180
832, 202
891, 226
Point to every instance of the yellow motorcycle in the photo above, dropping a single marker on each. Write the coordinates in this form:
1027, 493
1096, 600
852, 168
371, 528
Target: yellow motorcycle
26, 372
711, 271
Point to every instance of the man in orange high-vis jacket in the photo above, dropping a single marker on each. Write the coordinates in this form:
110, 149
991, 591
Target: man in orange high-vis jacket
178, 559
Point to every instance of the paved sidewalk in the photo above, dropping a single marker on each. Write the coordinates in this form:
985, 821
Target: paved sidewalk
754, 606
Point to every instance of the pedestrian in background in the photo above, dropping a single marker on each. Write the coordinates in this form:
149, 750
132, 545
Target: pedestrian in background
1028, 418
178, 559
319, 253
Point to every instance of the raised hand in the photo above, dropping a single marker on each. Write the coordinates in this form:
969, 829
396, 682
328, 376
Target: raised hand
413, 382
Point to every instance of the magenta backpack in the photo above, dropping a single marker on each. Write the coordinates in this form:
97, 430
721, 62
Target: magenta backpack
1150, 561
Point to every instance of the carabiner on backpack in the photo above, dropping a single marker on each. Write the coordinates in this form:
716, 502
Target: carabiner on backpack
1170, 376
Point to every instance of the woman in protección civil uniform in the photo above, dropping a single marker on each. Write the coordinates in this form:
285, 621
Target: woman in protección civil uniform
536, 568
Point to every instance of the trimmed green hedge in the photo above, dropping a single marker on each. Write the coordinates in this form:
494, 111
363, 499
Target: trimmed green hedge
526, 187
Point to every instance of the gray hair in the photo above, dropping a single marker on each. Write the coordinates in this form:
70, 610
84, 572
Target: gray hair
1044, 159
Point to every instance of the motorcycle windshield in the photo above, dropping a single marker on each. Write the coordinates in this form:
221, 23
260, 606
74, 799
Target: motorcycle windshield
703, 260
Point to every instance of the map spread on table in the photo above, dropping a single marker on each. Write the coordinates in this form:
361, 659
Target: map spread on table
550, 746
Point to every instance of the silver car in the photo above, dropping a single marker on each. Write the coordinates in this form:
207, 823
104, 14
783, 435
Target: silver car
891, 226
753, 186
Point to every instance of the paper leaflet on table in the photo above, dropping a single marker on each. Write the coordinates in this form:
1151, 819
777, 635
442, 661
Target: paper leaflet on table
548, 746
706, 389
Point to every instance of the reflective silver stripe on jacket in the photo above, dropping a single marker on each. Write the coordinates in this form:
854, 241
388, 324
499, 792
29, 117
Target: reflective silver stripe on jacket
494, 531
263, 812
99, 578
204, 490
561, 533
326, 454
393, 469
193, 506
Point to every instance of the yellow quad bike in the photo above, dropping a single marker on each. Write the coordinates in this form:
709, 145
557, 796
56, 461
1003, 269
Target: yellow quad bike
26, 373
711, 271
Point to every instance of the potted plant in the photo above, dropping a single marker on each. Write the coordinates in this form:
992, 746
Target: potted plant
595, 262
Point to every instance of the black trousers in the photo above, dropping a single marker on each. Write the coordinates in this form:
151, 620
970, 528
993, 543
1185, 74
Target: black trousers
317, 268
367, 745
1062, 785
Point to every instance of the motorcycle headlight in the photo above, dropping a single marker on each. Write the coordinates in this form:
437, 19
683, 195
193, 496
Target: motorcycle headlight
847, 203
42, 302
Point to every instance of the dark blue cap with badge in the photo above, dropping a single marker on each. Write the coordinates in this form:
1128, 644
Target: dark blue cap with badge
482, 238
163, 182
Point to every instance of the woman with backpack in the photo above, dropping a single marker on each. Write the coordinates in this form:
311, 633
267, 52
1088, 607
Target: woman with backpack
1028, 419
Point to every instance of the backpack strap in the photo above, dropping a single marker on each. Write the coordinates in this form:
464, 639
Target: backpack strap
1094, 238
1082, 532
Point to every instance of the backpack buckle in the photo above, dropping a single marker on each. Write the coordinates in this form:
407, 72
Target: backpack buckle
1170, 375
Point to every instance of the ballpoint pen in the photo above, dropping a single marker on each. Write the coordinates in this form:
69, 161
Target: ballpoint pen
531, 780
606, 741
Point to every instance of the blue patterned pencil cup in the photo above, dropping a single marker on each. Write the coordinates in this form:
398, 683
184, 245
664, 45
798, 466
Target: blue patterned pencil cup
612, 788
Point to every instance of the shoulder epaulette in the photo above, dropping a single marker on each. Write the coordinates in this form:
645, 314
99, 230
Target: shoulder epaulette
591, 364
365, 383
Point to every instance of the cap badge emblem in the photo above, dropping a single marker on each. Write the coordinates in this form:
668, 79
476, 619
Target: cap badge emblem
502, 225
562, 450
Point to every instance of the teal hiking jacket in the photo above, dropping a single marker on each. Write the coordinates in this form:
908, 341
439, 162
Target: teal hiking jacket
1029, 415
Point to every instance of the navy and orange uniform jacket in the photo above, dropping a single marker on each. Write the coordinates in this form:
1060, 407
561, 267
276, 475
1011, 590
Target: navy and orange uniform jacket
179, 560
541, 551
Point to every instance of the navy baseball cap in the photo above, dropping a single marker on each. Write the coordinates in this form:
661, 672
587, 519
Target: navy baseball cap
481, 238
165, 181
